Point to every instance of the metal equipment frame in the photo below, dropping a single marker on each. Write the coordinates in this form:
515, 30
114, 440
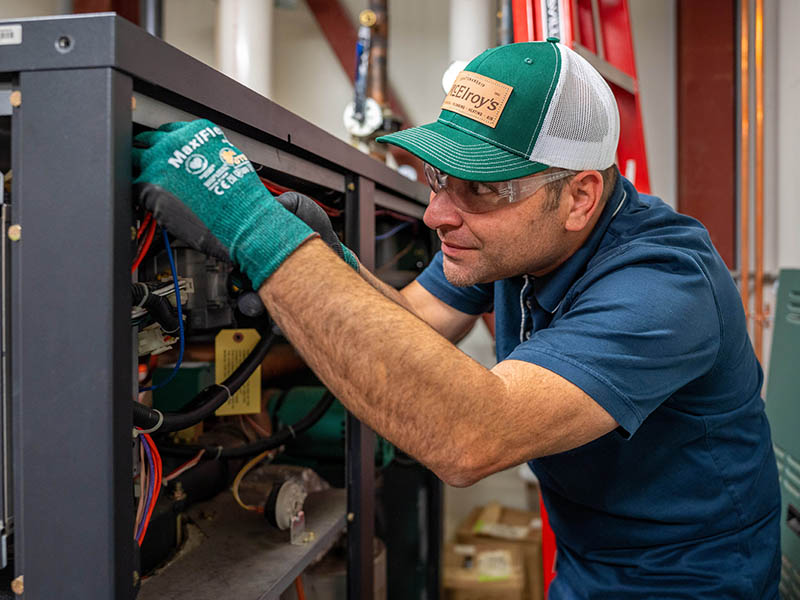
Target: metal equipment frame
73, 87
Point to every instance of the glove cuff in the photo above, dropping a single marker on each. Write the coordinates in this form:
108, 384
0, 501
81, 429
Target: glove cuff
350, 258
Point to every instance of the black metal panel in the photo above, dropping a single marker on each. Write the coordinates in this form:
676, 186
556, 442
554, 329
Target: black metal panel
360, 464
92, 43
71, 338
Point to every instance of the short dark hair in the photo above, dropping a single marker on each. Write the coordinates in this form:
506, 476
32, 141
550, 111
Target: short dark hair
554, 188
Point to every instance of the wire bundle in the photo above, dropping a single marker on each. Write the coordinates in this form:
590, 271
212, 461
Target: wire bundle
180, 316
148, 225
150, 484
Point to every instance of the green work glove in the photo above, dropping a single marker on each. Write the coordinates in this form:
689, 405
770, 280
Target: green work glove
312, 215
204, 191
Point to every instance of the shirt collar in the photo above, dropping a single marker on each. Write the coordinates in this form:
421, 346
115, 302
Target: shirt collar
550, 289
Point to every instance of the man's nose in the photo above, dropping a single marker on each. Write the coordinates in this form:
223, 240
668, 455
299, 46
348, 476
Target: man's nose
441, 212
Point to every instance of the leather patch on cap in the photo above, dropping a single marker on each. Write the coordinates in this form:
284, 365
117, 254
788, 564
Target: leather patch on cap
477, 97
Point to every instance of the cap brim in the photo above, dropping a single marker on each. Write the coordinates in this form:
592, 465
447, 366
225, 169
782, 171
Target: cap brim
462, 155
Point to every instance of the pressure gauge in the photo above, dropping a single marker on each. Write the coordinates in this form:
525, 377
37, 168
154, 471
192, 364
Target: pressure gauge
373, 118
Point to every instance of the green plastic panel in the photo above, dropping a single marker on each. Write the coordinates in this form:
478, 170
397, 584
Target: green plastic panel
783, 411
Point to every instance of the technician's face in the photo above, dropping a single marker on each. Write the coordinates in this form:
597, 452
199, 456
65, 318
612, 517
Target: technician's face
525, 237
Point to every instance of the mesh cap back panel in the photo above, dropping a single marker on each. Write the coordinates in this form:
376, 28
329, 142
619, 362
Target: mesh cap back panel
581, 129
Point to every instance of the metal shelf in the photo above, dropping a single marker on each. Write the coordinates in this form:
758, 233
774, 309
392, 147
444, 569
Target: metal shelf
240, 556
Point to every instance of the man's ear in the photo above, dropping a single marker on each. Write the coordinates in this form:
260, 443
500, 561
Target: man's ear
586, 193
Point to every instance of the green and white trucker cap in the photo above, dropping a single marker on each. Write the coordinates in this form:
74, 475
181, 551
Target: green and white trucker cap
516, 110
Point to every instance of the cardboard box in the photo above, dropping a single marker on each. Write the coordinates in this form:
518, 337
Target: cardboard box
509, 528
483, 571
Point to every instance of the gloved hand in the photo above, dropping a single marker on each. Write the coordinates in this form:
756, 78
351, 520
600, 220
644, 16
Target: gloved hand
205, 191
312, 215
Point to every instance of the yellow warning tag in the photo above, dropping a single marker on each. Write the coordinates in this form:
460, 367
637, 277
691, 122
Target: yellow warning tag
231, 347
478, 97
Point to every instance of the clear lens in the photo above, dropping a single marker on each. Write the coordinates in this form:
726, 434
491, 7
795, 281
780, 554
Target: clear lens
481, 197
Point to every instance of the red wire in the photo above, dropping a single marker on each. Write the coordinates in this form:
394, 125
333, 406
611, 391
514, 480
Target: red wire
144, 224
157, 487
298, 586
145, 247
195, 459
277, 190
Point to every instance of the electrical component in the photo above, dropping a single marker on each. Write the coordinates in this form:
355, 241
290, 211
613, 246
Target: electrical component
180, 317
153, 341
210, 305
284, 508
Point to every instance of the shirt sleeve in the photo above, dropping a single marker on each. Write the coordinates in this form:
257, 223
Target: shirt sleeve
633, 337
473, 300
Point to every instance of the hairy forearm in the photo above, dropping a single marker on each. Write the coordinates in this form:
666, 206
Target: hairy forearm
385, 289
387, 366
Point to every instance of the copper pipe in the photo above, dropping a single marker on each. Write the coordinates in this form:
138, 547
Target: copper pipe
744, 158
759, 225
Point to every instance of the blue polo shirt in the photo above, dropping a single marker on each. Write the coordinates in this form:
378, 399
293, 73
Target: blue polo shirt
682, 500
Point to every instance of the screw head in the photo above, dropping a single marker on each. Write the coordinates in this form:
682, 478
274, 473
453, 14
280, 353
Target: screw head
15, 233
133, 102
15, 98
135, 578
351, 517
18, 586
351, 187
64, 44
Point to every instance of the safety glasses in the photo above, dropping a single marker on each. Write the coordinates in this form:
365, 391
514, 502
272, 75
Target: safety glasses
486, 196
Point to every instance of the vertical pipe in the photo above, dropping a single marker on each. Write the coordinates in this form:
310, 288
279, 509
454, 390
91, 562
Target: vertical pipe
759, 224
151, 16
470, 30
244, 42
377, 85
744, 157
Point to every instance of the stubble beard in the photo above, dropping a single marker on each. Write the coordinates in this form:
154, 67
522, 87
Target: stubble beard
486, 270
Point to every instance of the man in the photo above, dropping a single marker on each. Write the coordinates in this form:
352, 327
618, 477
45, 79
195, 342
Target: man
625, 375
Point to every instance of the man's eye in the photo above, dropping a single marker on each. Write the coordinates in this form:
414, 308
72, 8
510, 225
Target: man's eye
480, 188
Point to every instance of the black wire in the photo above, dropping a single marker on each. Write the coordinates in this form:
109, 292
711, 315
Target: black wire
208, 400
270, 443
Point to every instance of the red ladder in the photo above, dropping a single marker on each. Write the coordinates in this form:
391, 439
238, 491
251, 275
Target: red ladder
600, 31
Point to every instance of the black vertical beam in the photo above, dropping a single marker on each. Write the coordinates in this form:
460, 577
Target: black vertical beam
360, 464
71, 343
435, 524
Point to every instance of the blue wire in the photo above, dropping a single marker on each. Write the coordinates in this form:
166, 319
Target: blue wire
180, 317
150, 488
392, 231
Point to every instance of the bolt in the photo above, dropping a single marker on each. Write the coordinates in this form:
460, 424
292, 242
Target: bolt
351, 517
15, 98
64, 44
351, 187
17, 586
133, 233
15, 233
135, 578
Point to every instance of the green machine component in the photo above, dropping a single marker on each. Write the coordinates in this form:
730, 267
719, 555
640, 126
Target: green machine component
190, 379
783, 411
324, 442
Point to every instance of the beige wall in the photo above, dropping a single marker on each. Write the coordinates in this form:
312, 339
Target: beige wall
16, 9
